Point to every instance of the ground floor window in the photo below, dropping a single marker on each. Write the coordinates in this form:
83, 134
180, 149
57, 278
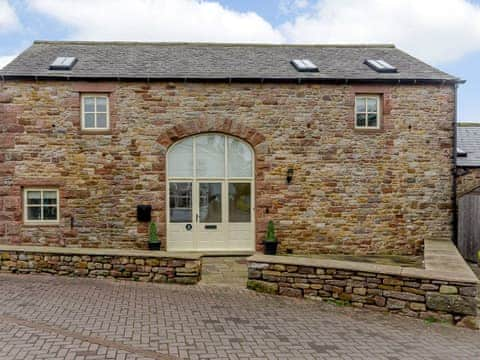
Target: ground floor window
41, 206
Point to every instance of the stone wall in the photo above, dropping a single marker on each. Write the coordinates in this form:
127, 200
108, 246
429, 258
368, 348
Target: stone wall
122, 265
364, 192
435, 300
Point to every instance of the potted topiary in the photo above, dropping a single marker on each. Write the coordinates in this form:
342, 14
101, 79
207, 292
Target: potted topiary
153, 242
270, 243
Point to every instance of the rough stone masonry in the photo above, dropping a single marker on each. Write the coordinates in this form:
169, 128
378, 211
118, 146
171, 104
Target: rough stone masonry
353, 192
125, 265
429, 299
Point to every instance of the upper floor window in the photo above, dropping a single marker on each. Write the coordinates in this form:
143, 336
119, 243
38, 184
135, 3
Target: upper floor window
367, 112
95, 114
41, 206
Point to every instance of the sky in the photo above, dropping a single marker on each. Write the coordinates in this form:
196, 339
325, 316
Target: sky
443, 33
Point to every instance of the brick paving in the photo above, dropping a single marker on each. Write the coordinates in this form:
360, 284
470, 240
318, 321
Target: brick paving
45, 317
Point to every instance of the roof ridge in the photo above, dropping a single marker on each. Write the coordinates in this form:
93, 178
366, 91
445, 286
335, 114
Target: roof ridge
179, 43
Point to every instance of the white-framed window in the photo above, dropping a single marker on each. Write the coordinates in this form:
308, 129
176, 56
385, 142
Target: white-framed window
41, 206
95, 112
367, 111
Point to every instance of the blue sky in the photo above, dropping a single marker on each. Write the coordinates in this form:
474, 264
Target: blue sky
444, 33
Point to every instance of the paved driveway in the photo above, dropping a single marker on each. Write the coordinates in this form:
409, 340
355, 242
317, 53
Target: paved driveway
44, 317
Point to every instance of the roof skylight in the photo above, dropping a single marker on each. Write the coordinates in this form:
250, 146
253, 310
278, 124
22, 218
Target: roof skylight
63, 63
461, 153
380, 66
304, 65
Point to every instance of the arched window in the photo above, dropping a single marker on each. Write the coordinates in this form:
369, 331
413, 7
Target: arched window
210, 156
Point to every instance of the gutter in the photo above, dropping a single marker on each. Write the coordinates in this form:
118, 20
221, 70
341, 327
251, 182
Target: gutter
298, 80
454, 177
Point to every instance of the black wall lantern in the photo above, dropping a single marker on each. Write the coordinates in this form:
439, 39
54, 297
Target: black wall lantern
289, 176
144, 212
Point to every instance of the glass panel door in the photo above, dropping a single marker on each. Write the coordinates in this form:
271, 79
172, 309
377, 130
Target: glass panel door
210, 233
210, 202
210, 194
180, 195
241, 228
180, 227
239, 202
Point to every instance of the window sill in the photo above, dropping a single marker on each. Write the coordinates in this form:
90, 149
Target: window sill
42, 224
368, 130
96, 132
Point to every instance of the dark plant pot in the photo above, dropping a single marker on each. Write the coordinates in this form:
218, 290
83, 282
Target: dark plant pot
270, 247
154, 245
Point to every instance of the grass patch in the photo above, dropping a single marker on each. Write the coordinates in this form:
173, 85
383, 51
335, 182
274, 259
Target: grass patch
433, 320
338, 302
262, 286
430, 320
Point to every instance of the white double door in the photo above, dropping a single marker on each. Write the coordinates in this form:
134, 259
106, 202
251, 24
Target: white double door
210, 215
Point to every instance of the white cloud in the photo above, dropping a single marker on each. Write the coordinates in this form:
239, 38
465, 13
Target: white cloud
434, 30
161, 20
8, 17
437, 31
4, 60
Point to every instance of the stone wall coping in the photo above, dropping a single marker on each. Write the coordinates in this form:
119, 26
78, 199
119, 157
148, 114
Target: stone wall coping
444, 259
442, 262
325, 263
99, 252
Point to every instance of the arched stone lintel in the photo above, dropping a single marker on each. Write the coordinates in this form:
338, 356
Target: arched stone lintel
227, 126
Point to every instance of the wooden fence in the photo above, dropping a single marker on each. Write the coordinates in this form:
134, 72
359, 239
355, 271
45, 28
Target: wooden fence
469, 225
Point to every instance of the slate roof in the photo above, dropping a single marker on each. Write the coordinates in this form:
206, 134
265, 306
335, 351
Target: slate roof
130, 60
468, 140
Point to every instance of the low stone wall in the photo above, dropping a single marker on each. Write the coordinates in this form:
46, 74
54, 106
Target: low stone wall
438, 300
160, 267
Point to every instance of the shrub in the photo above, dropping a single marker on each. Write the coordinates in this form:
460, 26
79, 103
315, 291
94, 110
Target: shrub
270, 237
152, 233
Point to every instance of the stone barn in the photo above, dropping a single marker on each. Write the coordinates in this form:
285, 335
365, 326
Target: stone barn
346, 148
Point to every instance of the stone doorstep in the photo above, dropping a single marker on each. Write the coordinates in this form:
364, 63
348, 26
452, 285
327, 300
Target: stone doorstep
455, 270
100, 252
